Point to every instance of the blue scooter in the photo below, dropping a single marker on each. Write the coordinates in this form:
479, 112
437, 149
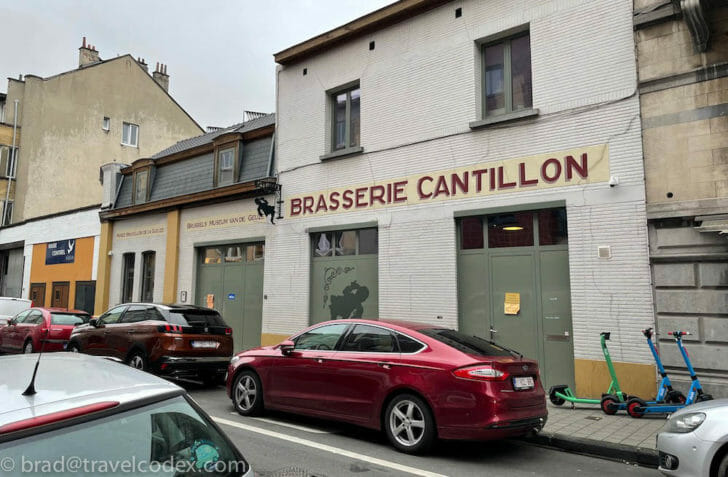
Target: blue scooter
636, 407
665, 394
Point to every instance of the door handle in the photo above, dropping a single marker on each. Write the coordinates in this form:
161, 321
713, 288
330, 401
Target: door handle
106, 332
131, 332
384, 365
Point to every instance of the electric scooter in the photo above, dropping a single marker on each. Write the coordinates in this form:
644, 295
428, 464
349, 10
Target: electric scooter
562, 393
665, 393
636, 407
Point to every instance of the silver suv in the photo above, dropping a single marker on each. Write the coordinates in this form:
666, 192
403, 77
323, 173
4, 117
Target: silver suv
92, 416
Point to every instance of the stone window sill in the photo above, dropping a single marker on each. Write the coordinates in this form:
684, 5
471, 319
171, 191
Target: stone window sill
503, 118
342, 153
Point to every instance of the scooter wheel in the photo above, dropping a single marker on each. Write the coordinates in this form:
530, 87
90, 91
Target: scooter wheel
675, 397
704, 397
556, 400
609, 405
636, 407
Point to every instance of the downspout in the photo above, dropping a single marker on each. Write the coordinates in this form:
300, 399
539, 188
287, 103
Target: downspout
14, 162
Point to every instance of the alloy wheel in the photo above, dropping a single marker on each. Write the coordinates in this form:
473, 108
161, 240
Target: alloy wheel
407, 422
28, 348
245, 393
137, 362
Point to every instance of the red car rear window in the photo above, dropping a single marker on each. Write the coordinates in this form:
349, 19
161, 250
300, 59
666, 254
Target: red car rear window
72, 319
466, 344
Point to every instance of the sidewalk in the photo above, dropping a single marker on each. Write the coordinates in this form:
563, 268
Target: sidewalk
586, 429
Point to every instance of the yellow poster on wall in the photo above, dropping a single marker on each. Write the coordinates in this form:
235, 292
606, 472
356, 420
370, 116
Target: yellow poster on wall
512, 304
210, 300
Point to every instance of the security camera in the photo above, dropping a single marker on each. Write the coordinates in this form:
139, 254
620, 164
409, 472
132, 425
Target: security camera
613, 181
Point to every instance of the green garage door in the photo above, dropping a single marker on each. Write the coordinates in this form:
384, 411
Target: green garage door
344, 275
230, 280
519, 258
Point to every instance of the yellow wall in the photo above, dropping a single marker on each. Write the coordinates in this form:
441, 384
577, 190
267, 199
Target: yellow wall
592, 378
171, 262
79, 270
103, 270
270, 339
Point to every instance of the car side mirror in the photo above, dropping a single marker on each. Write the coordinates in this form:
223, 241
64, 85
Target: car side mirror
286, 347
11, 322
94, 322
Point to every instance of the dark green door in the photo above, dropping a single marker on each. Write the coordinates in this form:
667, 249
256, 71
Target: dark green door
558, 360
230, 280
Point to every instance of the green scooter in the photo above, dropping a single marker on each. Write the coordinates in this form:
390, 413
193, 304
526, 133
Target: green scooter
561, 393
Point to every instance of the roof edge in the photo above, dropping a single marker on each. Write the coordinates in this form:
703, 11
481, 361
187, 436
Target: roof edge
376, 20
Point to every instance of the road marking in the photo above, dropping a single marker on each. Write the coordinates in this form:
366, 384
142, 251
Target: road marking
285, 424
327, 448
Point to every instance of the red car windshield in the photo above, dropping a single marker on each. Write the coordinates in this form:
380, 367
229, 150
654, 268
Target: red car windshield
466, 344
71, 319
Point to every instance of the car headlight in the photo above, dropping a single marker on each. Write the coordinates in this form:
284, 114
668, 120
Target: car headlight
234, 358
685, 422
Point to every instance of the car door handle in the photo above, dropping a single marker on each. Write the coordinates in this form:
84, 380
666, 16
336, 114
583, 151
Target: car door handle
384, 365
131, 332
106, 332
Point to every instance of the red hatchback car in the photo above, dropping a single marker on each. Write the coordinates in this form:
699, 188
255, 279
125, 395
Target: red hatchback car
417, 382
32, 329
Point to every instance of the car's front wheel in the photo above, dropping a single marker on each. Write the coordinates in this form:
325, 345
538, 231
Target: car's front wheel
247, 394
74, 347
409, 424
28, 347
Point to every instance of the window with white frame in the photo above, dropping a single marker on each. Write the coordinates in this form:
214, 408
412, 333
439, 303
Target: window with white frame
7, 212
130, 134
507, 75
106, 124
346, 118
8, 161
226, 166
141, 186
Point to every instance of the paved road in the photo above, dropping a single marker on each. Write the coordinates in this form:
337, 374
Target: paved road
283, 445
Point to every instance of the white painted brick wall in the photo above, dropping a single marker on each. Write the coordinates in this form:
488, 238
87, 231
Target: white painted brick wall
419, 92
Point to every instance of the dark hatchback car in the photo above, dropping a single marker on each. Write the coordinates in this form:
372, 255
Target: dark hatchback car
416, 382
180, 341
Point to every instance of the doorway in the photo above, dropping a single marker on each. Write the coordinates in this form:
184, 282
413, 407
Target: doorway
513, 286
37, 294
59, 295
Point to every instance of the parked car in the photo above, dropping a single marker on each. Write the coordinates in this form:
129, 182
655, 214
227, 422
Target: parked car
415, 381
694, 441
9, 307
88, 412
36, 328
169, 340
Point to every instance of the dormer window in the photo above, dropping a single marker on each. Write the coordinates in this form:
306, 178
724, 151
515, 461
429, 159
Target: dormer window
141, 186
226, 166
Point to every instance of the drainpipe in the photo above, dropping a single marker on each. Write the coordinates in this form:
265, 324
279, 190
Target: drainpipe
14, 162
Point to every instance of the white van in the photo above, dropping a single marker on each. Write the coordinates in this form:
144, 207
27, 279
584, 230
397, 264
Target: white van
9, 307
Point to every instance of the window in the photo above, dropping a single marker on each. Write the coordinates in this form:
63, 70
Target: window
226, 167
112, 316
148, 276
8, 161
127, 278
345, 242
20, 317
235, 253
467, 344
507, 75
408, 345
141, 186
346, 124
370, 339
130, 134
7, 212
106, 124
59, 318
321, 338
135, 314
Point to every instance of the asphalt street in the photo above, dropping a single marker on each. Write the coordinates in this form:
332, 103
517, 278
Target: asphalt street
285, 445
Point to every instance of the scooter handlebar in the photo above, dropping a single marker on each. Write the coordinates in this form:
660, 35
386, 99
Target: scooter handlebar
606, 334
647, 332
679, 333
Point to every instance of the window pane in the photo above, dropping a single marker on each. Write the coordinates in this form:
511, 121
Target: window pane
552, 227
125, 133
521, 72
472, 345
148, 276
255, 252
128, 278
346, 242
321, 338
134, 131
322, 244
141, 187
235, 254
510, 230
495, 101
370, 339
340, 121
471, 233
407, 344
368, 241
354, 113
212, 255
226, 166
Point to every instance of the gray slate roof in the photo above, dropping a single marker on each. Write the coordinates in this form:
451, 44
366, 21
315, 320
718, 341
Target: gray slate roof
196, 141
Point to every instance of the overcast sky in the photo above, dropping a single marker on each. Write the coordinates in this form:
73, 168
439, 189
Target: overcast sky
219, 54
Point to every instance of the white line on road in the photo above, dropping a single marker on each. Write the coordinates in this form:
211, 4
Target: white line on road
326, 448
285, 424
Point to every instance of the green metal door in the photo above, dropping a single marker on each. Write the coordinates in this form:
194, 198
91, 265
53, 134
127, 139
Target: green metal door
230, 280
558, 360
511, 273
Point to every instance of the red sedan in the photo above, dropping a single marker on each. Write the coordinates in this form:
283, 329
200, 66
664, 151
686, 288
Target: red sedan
417, 382
49, 328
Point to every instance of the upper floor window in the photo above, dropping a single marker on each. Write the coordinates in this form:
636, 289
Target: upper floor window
507, 75
106, 124
345, 242
8, 161
130, 134
141, 186
346, 123
226, 166
7, 212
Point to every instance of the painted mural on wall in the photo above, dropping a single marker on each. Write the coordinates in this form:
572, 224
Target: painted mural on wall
349, 304
265, 209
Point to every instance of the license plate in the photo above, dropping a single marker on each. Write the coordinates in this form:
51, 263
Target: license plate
523, 383
205, 344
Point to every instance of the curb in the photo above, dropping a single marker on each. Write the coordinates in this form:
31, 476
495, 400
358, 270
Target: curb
638, 455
